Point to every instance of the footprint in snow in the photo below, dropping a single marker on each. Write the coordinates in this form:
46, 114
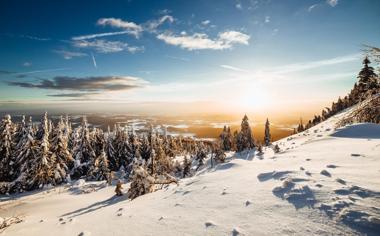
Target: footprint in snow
247, 203
341, 181
301, 168
161, 218
84, 233
307, 159
209, 224
119, 214
307, 173
331, 166
325, 173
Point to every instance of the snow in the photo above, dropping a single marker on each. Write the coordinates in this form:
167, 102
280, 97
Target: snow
324, 181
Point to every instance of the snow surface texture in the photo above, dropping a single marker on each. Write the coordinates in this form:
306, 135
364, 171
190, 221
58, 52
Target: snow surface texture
324, 181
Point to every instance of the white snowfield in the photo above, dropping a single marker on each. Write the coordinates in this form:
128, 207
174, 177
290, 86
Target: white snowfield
325, 181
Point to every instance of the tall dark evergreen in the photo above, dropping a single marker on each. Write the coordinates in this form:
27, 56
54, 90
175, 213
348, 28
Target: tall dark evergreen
267, 135
366, 75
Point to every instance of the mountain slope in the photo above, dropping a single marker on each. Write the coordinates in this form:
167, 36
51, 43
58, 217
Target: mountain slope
325, 181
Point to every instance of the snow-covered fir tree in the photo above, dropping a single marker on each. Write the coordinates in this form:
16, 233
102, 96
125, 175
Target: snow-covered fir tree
83, 152
245, 138
100, 169
113, 161
226, 139
219, 154
163, 164
6, 144
36, 161
267, 136
63, 160
200, 155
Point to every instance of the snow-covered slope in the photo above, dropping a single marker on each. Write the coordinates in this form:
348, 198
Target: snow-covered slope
325, 181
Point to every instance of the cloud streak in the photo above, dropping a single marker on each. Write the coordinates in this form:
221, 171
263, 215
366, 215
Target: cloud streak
94, 61
201, 41
69, 54
130, 27
104, 46
228, 67
92, 84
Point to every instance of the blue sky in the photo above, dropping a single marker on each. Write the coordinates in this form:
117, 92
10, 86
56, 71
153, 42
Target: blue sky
248, 54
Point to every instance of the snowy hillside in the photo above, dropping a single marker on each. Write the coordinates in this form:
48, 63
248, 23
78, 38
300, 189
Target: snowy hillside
324, 181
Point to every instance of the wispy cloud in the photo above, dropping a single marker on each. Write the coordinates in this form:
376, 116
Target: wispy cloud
76, 95
129, 27
105, 46
93, 60
69, 54
312, 7
35, 38
27, 64
206, 22
152, 26
199, 41
267, 19
316, 64
332, 3
86, 84
92, 36
228, 67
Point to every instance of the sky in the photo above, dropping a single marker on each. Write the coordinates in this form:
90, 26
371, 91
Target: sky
182, 56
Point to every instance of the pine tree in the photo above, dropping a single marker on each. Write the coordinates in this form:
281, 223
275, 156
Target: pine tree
36, 161
83, 152
162, 163
63, 160
300, 127
121, 146
245, 138
100, 169
200, 155
6, 148
114, 163
366, 75
145, 149
220, 156
267, 136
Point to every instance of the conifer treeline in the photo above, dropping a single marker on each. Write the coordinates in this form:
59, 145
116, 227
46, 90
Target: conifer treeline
368, 85
33, 156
